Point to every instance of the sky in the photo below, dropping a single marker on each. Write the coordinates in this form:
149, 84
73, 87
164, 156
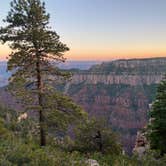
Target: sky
105, 29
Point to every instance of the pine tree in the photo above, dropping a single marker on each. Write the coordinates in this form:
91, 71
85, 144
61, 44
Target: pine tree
35, 49
158, 120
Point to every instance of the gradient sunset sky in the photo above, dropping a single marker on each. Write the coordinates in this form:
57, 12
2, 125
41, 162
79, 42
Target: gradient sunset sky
106, 29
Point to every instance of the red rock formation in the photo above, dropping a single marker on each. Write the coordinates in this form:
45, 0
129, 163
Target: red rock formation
125, 109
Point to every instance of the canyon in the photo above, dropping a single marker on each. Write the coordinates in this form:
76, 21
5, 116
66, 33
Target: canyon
120, 91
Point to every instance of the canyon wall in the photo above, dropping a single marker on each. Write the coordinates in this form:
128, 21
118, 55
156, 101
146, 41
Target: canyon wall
120, 91
110, 79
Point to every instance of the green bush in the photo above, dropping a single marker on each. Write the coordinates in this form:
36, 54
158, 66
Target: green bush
96, 136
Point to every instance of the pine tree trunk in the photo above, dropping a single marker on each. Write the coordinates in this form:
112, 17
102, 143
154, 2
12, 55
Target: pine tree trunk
41, 121
40, 102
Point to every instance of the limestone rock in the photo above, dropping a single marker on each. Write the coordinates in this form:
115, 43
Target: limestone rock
92, 162
141, 145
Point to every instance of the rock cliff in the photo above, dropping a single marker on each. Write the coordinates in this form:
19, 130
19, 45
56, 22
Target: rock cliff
110, 79
120, 91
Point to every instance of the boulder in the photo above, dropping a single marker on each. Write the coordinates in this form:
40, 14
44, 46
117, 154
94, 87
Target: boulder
92, 162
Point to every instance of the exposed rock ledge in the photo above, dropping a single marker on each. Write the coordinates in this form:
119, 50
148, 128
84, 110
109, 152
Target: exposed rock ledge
116, 79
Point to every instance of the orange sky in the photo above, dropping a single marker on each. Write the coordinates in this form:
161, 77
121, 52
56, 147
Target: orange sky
101, 53
4, 51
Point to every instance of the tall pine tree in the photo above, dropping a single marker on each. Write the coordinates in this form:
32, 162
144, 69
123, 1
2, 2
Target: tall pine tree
35, 49
158, 120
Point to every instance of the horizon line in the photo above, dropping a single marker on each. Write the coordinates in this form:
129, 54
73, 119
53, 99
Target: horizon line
104, 60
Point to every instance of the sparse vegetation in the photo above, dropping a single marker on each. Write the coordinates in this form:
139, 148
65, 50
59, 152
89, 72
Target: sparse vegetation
19, 149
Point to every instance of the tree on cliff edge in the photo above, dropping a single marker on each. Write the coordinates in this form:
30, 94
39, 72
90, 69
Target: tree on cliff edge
158, 120
35, 46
